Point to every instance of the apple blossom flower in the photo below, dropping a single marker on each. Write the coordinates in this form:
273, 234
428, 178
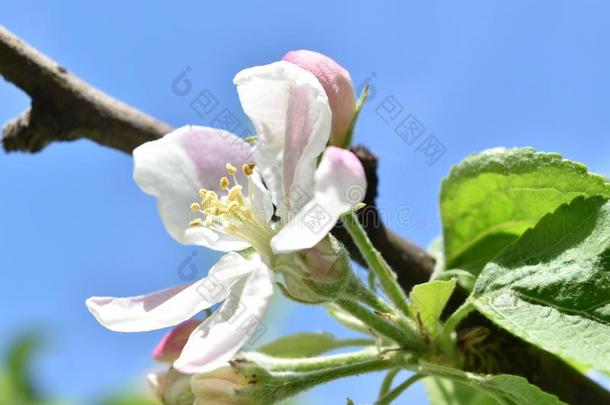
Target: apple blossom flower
281, 201
337, 83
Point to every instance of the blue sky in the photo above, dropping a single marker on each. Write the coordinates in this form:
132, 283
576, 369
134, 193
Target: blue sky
475, 74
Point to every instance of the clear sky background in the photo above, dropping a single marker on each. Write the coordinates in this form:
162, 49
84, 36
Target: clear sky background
475, 74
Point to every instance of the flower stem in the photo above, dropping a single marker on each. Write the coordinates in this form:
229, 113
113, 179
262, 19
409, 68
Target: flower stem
307, 364
358, 292
377, 264
288, 377
395, 393
403, 336
386, 384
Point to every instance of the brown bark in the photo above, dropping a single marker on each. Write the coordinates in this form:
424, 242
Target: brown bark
64, 107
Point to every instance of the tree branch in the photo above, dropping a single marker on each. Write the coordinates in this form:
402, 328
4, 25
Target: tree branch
64, 107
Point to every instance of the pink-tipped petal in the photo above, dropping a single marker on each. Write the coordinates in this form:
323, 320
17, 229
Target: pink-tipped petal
171, 306
171, 344
289, 110
176, 166
340, 184
337, 83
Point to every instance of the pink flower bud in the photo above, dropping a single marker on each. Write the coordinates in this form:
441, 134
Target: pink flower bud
173, 342
337, 83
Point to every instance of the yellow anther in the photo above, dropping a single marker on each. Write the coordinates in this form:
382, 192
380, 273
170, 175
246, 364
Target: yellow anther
224, 183
231, 169
234, 193
195, 207
210, 197
202, 193
196, 222
247, 169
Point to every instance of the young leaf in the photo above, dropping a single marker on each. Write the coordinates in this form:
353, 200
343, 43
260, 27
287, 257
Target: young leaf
552, 286
491, 198
308, 344
501, 389
428, 301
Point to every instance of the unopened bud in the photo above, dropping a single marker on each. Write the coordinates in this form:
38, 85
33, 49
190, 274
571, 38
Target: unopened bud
233, 384
337, 84
173, 342
172, 387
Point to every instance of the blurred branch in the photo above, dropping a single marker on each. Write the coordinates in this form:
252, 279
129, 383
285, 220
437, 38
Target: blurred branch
64, 107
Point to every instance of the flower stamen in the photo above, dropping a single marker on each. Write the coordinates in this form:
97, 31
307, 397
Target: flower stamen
231, 169
224, 183
196, 222
233, 212
247, 169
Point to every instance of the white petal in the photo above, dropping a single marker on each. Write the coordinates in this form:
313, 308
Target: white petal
290, 112
260, 198
226, 331
340, 184
174, 305
338, 85
176, 166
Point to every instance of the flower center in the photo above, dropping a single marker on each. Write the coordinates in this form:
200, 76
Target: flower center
233, 212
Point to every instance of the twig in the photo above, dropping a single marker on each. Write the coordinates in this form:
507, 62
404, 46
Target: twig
64, 107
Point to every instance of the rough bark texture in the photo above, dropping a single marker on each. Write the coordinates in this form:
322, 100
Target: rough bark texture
65, 108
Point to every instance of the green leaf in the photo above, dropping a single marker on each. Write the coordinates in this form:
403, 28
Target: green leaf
503, 389
308, 344
442, 391
428, 300
552, 286
492, 197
